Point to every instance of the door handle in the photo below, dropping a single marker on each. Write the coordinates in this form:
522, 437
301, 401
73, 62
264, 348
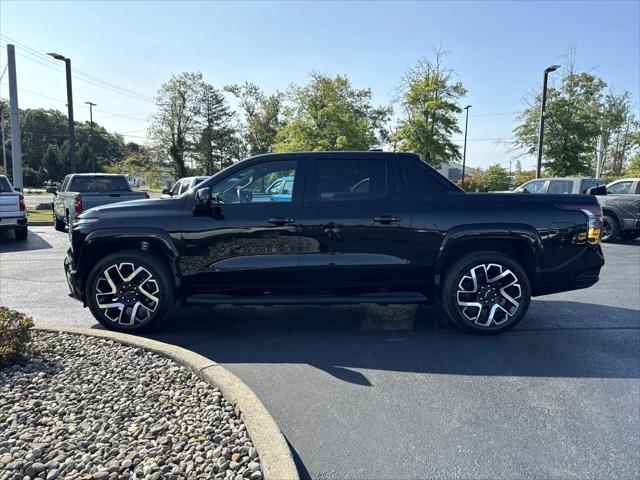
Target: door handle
386, 219
281, 221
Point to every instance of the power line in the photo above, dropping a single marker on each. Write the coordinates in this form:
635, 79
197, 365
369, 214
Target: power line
80, 74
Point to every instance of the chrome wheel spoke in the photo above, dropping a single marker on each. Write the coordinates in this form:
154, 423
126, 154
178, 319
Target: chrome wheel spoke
488, 295
127, 293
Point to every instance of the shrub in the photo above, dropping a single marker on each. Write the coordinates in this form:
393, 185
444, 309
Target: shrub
15, 335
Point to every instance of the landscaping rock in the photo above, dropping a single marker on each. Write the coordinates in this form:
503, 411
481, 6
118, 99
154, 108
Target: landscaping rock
91, 408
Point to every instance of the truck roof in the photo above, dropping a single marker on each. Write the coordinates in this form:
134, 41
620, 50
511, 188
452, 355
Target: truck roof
342, 153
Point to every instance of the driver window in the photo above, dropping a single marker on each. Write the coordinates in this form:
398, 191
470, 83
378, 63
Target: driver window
265, 182
534, 186
620, 188
185, 187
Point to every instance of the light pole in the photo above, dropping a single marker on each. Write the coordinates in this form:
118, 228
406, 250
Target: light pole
464, 149
547, 70
72, 131
93, 157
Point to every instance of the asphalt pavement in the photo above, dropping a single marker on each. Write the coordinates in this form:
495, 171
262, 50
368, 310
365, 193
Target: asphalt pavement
396, 392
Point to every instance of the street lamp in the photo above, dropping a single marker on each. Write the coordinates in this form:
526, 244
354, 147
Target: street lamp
93, 156
464, 149
547, 70
72, 132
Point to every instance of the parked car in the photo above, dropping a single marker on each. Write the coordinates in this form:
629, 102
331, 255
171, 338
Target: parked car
182, 186
13, 212
82, 191
621, 210
559, 185
360, 227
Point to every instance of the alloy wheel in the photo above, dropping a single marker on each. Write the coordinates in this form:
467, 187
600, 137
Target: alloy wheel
488, 295
127, 293
607, 229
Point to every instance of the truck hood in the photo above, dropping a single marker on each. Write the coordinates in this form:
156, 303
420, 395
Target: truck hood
132, 208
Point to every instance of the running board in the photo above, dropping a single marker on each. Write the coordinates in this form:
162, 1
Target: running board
379, 298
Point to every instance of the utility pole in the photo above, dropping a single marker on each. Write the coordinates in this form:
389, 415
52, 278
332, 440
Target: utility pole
547, 70
72, 132
464, 149
16, 153
93, 156
4, 151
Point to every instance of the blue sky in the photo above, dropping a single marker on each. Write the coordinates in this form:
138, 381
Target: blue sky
498, 50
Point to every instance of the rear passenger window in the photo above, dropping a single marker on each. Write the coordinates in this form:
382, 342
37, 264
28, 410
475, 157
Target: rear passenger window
560, 186
423, 182
349, 180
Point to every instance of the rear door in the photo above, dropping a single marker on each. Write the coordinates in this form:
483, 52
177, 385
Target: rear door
355, 223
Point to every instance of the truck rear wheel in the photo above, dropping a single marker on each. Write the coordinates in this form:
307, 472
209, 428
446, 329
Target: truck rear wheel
130, 291
486, 292
610, 229
58, 224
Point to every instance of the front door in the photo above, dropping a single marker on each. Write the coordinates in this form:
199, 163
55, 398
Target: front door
355, 223
248, 240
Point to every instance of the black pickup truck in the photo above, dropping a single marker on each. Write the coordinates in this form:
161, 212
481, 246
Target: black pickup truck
351, 227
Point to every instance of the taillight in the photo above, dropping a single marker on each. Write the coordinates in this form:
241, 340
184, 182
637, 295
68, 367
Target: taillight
23, 207
77, 203
594, 221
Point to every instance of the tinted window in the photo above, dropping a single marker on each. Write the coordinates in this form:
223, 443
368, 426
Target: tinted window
620, 188
560, 186
265, 182
346, 180
99, 184
590, 182
423, 182
5, 186
175, 190
185, 186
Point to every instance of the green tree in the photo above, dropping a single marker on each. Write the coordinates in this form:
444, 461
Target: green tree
572, 124
176, 124
474, 181
524, 176
262, 116
633, 169
496, 177
217, 128
430, 97
53, 164
329, 114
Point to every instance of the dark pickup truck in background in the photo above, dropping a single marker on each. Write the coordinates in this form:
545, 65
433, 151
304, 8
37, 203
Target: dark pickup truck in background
82, 191
358, 227
621, 210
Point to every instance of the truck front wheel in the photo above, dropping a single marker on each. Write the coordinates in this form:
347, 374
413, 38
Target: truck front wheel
130, 291
610, 229
486, 292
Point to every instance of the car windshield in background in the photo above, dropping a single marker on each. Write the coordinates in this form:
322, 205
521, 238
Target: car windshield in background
5, 186
99, 184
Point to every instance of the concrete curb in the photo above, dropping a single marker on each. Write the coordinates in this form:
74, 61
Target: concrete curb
275, 456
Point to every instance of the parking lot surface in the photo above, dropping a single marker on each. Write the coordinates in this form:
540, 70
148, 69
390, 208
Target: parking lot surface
396, 392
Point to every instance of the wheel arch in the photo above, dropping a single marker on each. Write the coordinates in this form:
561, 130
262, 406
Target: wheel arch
611, 212
521, 242
101, 243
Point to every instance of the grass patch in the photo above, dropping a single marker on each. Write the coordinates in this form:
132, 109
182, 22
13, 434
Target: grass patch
39, 215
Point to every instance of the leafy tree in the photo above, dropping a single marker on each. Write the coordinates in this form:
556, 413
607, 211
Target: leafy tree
577, 116
143, 161
329, 114
496, 177
633, 169
53, 164
217, 128
524, 176
474, 181
177, 121
430, 97
262, 116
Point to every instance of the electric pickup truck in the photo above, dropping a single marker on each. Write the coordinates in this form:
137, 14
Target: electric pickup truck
358, 227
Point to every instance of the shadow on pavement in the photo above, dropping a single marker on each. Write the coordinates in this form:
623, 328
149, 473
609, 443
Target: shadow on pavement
557, 339
9, 244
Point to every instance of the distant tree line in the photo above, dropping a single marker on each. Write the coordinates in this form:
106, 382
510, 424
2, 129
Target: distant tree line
199, 128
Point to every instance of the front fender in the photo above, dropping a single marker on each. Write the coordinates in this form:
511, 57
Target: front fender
483, 232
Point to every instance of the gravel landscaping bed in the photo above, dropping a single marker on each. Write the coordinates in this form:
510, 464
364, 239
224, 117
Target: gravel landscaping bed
91, 408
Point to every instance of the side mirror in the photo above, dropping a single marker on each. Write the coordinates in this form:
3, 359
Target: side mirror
599, 190
166, 191
203, 196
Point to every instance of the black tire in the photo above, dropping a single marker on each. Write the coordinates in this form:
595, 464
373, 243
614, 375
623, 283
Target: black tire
610, 229
58, 224
458, 286
21, 233
153, 313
